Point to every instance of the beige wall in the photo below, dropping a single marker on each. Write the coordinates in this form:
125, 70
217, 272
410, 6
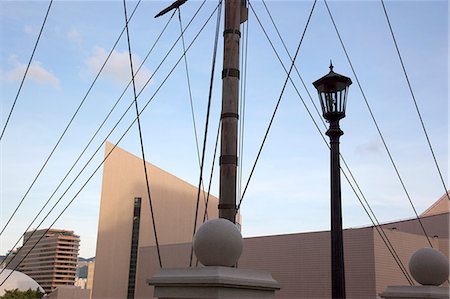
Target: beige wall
174, 202
301, 262
405, 244
69, 292
436, 226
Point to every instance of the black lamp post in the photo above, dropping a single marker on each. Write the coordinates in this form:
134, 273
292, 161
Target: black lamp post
332, 89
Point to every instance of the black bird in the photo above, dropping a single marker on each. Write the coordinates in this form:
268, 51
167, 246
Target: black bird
174, 5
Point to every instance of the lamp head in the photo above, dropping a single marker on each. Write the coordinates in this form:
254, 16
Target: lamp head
332, 89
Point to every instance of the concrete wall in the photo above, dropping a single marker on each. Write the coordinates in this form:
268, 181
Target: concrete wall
436, 226
387, 270
69, 292
174, 202
301, 262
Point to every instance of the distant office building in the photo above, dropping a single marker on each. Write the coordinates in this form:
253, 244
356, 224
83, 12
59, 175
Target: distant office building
85, 273
53, 260
126, 254
90, 275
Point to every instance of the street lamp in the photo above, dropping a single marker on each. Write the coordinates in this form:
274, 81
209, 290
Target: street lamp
332, 89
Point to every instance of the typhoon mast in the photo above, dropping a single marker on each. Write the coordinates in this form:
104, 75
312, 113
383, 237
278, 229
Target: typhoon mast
235, 14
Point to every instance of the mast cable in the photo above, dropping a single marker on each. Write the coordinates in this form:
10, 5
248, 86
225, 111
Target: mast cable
378, 228
219, 13
378, 128
190, 97
295, 67
211, 175
140, 136
90, 141
279, 98
126, 111
242, 106
212, 169
126, 131
26, 70
377, 224
415, 102
68, 125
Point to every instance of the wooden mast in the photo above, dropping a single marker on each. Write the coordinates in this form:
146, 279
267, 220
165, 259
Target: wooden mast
229, 116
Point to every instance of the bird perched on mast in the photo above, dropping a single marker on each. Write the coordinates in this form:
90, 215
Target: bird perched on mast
174, 5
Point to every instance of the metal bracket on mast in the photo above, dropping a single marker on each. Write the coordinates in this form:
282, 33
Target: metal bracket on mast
244, 11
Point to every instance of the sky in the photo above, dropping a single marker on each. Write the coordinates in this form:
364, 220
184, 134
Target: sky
289, 191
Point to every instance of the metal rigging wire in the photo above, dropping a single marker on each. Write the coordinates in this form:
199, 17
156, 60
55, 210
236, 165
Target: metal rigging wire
376, 223
110, 112
188, 80
212, 170
115, 145
377, 127
69, 124
378, 227
211, 175
415, 102
26, 70
190, 97
140, 136
295, 67
279, 99
243, 86
92, 138
211, 85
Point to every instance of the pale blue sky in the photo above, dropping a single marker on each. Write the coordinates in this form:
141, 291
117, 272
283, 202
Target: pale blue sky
289, 190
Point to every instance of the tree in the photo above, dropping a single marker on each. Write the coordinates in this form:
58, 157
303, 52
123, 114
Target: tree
17, 294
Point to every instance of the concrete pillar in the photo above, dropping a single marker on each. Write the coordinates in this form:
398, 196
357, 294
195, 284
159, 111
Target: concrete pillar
213, 282
218, 245
429, 268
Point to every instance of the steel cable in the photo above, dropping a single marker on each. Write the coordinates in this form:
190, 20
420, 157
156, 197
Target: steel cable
115, 145
376, 223
278, 102
415, 102
93, 137
378, 227
190, 98
68, 125
377, 127
219, 12
26, 71
141, 141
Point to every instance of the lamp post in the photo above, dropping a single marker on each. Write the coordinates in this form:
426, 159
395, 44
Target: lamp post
332, 89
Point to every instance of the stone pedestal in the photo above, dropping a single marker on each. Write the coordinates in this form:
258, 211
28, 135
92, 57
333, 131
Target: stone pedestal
415, 292
213, 282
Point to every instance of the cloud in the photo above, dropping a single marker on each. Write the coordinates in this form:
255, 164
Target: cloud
74, 36
371, 147
28, 29
118, 66
36, 72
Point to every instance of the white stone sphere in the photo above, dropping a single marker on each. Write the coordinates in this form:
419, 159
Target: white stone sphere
17, 280
218, 242
428, 266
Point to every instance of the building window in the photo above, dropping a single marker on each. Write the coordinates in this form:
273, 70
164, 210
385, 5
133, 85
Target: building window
134, 247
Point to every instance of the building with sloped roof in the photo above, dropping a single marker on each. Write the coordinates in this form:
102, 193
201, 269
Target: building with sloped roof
127, 256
